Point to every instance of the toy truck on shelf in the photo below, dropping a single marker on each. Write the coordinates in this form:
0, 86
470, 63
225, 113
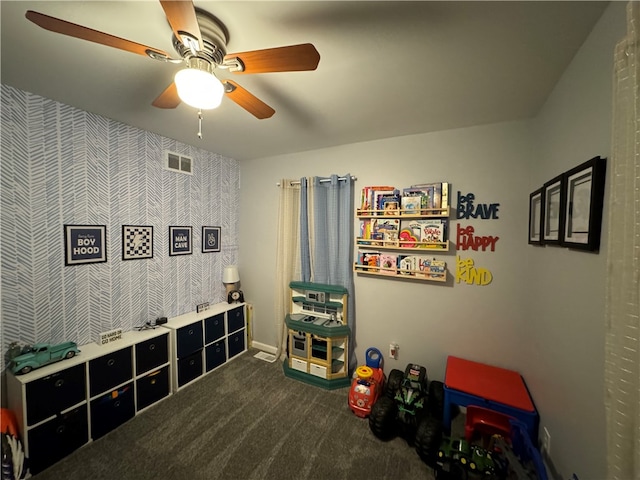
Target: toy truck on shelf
41, 354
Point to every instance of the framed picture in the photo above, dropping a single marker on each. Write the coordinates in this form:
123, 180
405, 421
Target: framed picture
180, 241
210, 239
137, 242
553, 214
584, 187
85, 244
536, 201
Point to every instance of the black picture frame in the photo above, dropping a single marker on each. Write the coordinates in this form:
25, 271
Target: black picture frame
180, 241
85, 244
584, 187
536, 216
211, 239
554, 211
137, 242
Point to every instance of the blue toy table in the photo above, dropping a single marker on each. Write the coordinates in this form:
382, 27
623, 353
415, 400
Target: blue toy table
472, 383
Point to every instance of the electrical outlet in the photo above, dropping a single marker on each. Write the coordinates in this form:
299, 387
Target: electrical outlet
546, 441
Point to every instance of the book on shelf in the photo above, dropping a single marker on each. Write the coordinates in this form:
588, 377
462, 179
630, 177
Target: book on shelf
389, 204
388, 228
433, 230
369, 261
430, 268
411, 204
406, 239
365, 228
440, 193
369, 194
421, 266
388, 263
426, 230
405, 265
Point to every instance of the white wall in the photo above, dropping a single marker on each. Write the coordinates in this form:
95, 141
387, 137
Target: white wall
566, 329
428, 320
543, 312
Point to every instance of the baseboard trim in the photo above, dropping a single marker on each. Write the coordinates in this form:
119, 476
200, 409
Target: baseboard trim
264, 347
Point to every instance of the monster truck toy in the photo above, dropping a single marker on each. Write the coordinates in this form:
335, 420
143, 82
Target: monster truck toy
412, 408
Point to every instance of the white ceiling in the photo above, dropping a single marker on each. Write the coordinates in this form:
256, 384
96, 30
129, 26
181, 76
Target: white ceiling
387, 68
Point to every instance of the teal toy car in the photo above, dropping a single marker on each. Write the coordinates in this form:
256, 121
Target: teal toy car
41, 354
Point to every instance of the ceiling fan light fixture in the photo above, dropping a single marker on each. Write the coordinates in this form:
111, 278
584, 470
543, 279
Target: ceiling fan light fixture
199, 87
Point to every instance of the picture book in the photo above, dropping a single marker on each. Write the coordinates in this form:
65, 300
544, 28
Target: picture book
445, 195
430, 267
365, 231
369, 261
433, 230
406, 239
388, 263
435, 192
378, 195
389, 228
390, 204
406, 264
367, 196
411, 204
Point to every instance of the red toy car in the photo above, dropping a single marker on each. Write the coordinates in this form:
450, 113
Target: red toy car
368, 384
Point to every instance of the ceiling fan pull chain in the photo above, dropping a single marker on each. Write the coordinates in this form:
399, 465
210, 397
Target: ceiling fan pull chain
199, 123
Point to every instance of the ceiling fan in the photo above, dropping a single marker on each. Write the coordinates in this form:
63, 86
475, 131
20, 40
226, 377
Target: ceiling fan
200, 40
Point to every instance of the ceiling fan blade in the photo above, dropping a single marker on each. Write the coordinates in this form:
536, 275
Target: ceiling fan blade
169, 98
281, 59
78, 31
246, 100
181, 15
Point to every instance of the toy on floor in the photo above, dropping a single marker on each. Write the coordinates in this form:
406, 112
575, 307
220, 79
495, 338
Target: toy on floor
411, 407
368, 384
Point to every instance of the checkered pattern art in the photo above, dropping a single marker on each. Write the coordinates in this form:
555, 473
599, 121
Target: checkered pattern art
137, 242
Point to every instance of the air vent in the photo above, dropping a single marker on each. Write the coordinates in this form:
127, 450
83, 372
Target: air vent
178, 163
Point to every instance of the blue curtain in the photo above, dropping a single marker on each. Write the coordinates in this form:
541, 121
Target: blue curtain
332, 255
305, 255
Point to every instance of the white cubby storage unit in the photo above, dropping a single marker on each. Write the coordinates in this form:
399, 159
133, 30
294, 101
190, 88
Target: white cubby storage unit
203, 341
64, 405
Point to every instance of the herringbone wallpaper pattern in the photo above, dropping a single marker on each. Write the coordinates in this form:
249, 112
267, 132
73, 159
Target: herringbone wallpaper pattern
61, 165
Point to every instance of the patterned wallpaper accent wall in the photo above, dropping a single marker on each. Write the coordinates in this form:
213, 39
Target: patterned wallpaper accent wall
61, 165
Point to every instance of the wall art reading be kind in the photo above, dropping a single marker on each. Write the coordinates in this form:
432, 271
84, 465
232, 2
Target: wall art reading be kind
85, 244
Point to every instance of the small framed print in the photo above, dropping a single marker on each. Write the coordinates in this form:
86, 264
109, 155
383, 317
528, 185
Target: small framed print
536, 202
584, 187
210, 239
85, 244
554, 206
137, 242
180, 241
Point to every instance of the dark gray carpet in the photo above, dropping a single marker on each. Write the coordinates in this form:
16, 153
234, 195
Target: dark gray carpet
245, 420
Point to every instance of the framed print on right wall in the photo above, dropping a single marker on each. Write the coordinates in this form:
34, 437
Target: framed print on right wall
584, 189
536, 220
554, 205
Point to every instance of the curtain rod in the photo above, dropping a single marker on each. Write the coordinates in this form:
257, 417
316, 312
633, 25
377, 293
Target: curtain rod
341, 179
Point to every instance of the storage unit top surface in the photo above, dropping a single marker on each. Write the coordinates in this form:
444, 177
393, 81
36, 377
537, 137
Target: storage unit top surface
90, 351
191, 317
488, 382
